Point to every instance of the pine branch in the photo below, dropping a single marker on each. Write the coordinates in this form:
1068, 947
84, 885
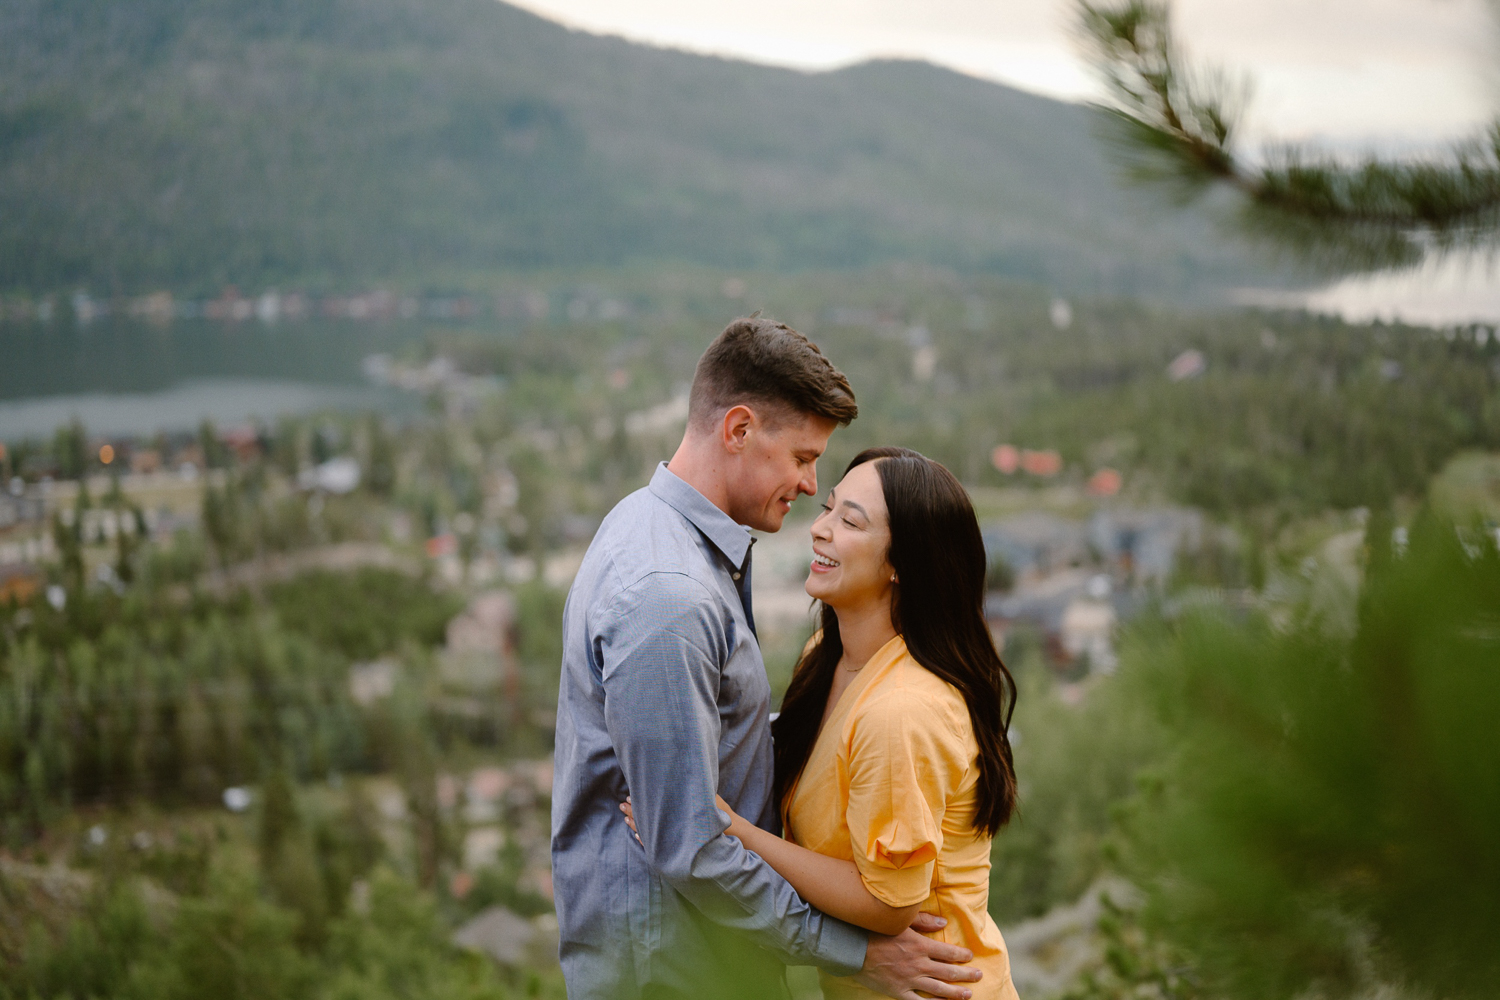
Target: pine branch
1163, 109
1178, 124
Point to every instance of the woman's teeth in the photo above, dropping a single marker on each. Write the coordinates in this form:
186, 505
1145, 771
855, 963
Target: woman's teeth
824, 560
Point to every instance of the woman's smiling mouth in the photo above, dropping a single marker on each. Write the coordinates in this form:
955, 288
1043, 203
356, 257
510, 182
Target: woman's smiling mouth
822, 564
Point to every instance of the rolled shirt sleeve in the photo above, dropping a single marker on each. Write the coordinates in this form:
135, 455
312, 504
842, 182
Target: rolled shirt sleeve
902, 769
659, 652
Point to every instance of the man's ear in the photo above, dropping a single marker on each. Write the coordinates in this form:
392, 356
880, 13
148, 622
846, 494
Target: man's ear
735, 429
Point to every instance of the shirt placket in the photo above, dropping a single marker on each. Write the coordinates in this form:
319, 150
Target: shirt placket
741, 579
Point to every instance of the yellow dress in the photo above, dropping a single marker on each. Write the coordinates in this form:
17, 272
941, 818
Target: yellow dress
890, 784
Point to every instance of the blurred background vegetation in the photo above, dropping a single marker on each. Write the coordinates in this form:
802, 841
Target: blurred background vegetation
277, 694
230, 676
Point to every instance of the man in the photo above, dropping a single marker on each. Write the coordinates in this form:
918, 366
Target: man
664, 698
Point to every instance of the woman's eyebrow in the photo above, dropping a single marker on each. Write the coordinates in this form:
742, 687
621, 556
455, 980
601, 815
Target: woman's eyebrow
863, 513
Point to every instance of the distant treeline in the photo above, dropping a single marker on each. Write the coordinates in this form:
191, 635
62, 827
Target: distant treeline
1285, 411
1279, 411
172, 699
162, 307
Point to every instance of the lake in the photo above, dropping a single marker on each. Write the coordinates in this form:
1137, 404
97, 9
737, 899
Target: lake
126, 377
1456, 289
131, 377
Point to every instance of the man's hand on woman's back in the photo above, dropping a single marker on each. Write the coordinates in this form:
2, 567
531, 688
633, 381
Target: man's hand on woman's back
899, 966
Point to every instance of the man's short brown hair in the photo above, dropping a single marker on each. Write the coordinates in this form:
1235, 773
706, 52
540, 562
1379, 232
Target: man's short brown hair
761, 361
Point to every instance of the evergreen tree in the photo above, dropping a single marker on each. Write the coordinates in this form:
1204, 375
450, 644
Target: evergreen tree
70, 450
288, 858
432, 839
1178, 124
380, 477
233, 944
215, 452
223, 520
67, 539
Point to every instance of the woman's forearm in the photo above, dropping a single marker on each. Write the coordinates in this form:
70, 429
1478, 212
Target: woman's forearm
833, 886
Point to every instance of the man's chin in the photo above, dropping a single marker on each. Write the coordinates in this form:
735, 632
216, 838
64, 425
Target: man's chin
770, 522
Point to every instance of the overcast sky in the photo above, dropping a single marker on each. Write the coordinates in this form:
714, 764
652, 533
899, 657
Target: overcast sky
1361, 72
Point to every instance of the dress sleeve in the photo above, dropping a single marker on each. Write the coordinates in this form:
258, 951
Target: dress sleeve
904, 766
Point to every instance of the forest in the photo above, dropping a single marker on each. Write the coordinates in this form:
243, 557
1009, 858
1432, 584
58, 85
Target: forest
446, 142
242, 743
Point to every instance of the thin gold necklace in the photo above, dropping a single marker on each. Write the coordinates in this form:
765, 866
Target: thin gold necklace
855, 670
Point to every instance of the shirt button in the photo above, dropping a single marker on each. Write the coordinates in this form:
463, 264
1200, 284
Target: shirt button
735, 575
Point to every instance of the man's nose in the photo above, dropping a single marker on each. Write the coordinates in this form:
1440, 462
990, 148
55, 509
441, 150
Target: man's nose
809, 484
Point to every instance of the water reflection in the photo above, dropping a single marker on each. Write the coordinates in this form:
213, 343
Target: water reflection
121, 376
1458, 289
226, 402
127, 356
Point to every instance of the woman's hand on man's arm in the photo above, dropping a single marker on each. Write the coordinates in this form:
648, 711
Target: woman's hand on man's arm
833, 886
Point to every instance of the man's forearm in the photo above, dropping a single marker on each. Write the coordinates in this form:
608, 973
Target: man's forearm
737, 888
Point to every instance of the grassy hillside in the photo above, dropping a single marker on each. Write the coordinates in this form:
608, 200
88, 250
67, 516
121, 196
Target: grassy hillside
190, 143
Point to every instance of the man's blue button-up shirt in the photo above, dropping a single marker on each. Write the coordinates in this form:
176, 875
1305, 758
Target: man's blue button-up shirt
664, 697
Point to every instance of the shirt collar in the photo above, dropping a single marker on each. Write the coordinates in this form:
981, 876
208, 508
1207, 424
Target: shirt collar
729, 537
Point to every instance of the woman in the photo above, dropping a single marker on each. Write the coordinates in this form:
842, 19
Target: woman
893, 769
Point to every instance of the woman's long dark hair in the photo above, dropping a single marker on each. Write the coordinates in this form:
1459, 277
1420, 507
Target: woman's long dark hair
938, 608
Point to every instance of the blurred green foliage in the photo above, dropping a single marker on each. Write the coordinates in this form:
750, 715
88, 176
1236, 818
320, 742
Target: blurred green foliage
1076, 763
364, 613
500, 885
115, 699
151, 695
233, 941
1327, 818
1194, 770
70, 449
400, 951
539, 614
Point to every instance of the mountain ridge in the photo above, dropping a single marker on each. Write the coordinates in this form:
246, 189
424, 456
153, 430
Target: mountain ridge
191, 144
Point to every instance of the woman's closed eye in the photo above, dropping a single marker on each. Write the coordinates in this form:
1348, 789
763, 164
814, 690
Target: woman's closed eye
827, 506
828, 509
